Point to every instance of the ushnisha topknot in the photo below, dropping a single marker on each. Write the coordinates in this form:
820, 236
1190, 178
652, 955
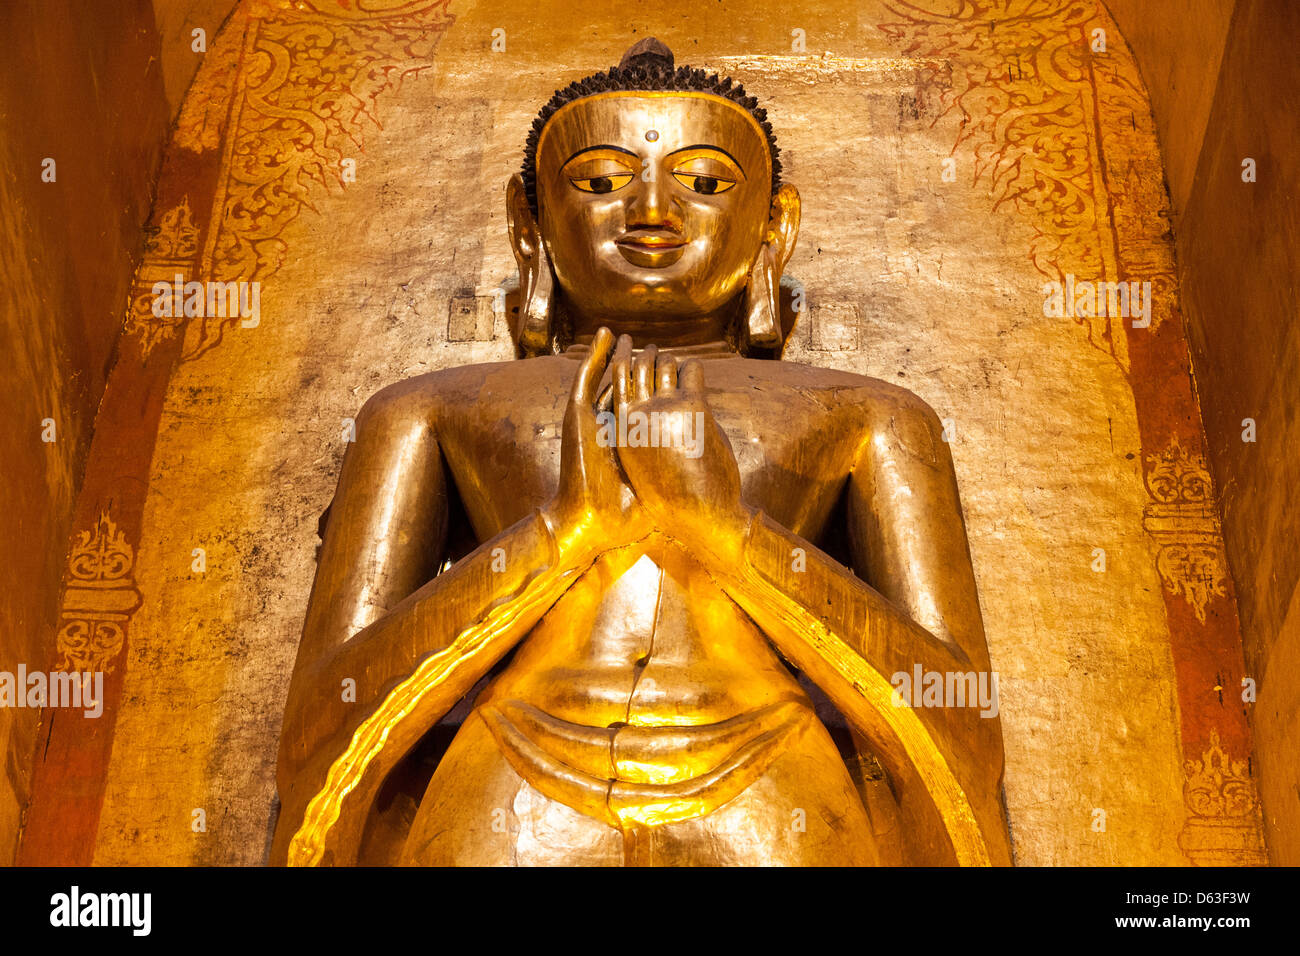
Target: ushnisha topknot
647, 66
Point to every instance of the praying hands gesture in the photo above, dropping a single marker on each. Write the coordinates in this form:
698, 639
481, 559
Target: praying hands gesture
647, 455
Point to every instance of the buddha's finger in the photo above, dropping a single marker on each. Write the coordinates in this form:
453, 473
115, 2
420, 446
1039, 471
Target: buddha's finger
592, 368
643, 374
691, 379
666, 373
619, 370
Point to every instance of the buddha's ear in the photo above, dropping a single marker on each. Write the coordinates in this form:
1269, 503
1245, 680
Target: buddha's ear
762, 325
783, 224
532, 327
520, 221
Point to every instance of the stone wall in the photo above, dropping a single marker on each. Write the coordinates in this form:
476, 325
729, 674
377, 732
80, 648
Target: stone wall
86, 92
1236, 244
177, 20
1237, 248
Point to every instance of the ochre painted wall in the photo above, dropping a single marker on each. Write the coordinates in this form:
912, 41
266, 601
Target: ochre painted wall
1178, 45
1223, 79
85, 91
1237, 248
177, 20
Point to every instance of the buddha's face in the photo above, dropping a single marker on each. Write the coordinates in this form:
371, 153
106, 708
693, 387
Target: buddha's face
652, 206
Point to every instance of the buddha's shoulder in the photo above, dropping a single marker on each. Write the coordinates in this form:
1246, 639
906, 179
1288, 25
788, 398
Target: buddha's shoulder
451, 388
871, 397
458, 385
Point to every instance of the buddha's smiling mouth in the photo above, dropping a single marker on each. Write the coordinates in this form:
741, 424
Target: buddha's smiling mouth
651, 248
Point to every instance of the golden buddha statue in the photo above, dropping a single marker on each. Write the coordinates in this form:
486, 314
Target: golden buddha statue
571, 609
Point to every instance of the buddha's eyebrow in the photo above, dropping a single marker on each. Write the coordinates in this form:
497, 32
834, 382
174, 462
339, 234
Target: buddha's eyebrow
710, 146
588, 149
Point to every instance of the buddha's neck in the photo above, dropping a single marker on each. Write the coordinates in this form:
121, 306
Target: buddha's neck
703, 350
674, 332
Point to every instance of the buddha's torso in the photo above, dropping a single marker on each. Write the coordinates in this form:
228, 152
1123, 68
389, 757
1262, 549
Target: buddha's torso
645, 695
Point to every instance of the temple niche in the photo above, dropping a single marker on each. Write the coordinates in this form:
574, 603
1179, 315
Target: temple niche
999, 216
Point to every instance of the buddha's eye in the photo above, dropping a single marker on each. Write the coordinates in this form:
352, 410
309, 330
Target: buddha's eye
704, 185
602, 184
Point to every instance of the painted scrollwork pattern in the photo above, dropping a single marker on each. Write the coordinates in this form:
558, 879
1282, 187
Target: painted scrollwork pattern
1181, 518
1037, 85
171, 246
101, 555
1017, 75
1224, 814
309, 85
89, 645
98, 600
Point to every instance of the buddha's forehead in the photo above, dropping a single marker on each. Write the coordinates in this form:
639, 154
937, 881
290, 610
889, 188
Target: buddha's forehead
655, 123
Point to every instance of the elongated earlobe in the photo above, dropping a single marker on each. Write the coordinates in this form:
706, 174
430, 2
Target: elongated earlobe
531, 329
762, 322
762, 317
537, 286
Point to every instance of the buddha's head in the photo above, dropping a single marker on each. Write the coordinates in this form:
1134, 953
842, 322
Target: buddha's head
651, 202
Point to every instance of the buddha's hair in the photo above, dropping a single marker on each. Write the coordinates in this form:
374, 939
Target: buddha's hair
646, 67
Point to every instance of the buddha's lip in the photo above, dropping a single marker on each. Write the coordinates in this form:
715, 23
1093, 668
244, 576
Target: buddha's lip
651, 239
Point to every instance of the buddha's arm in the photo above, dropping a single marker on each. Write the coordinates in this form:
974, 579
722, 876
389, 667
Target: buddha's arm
906, 529
908, 537
367, 626
385, 537
360, 702
909, 540
446, 627
850, 640
842, 633
409, 668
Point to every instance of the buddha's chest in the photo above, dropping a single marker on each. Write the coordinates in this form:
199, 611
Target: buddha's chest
794, 448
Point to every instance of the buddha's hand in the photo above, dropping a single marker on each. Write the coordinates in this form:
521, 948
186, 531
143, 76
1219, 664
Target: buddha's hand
594, 508
675, 454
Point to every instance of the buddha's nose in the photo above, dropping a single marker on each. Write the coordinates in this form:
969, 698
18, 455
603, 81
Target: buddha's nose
652, 204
